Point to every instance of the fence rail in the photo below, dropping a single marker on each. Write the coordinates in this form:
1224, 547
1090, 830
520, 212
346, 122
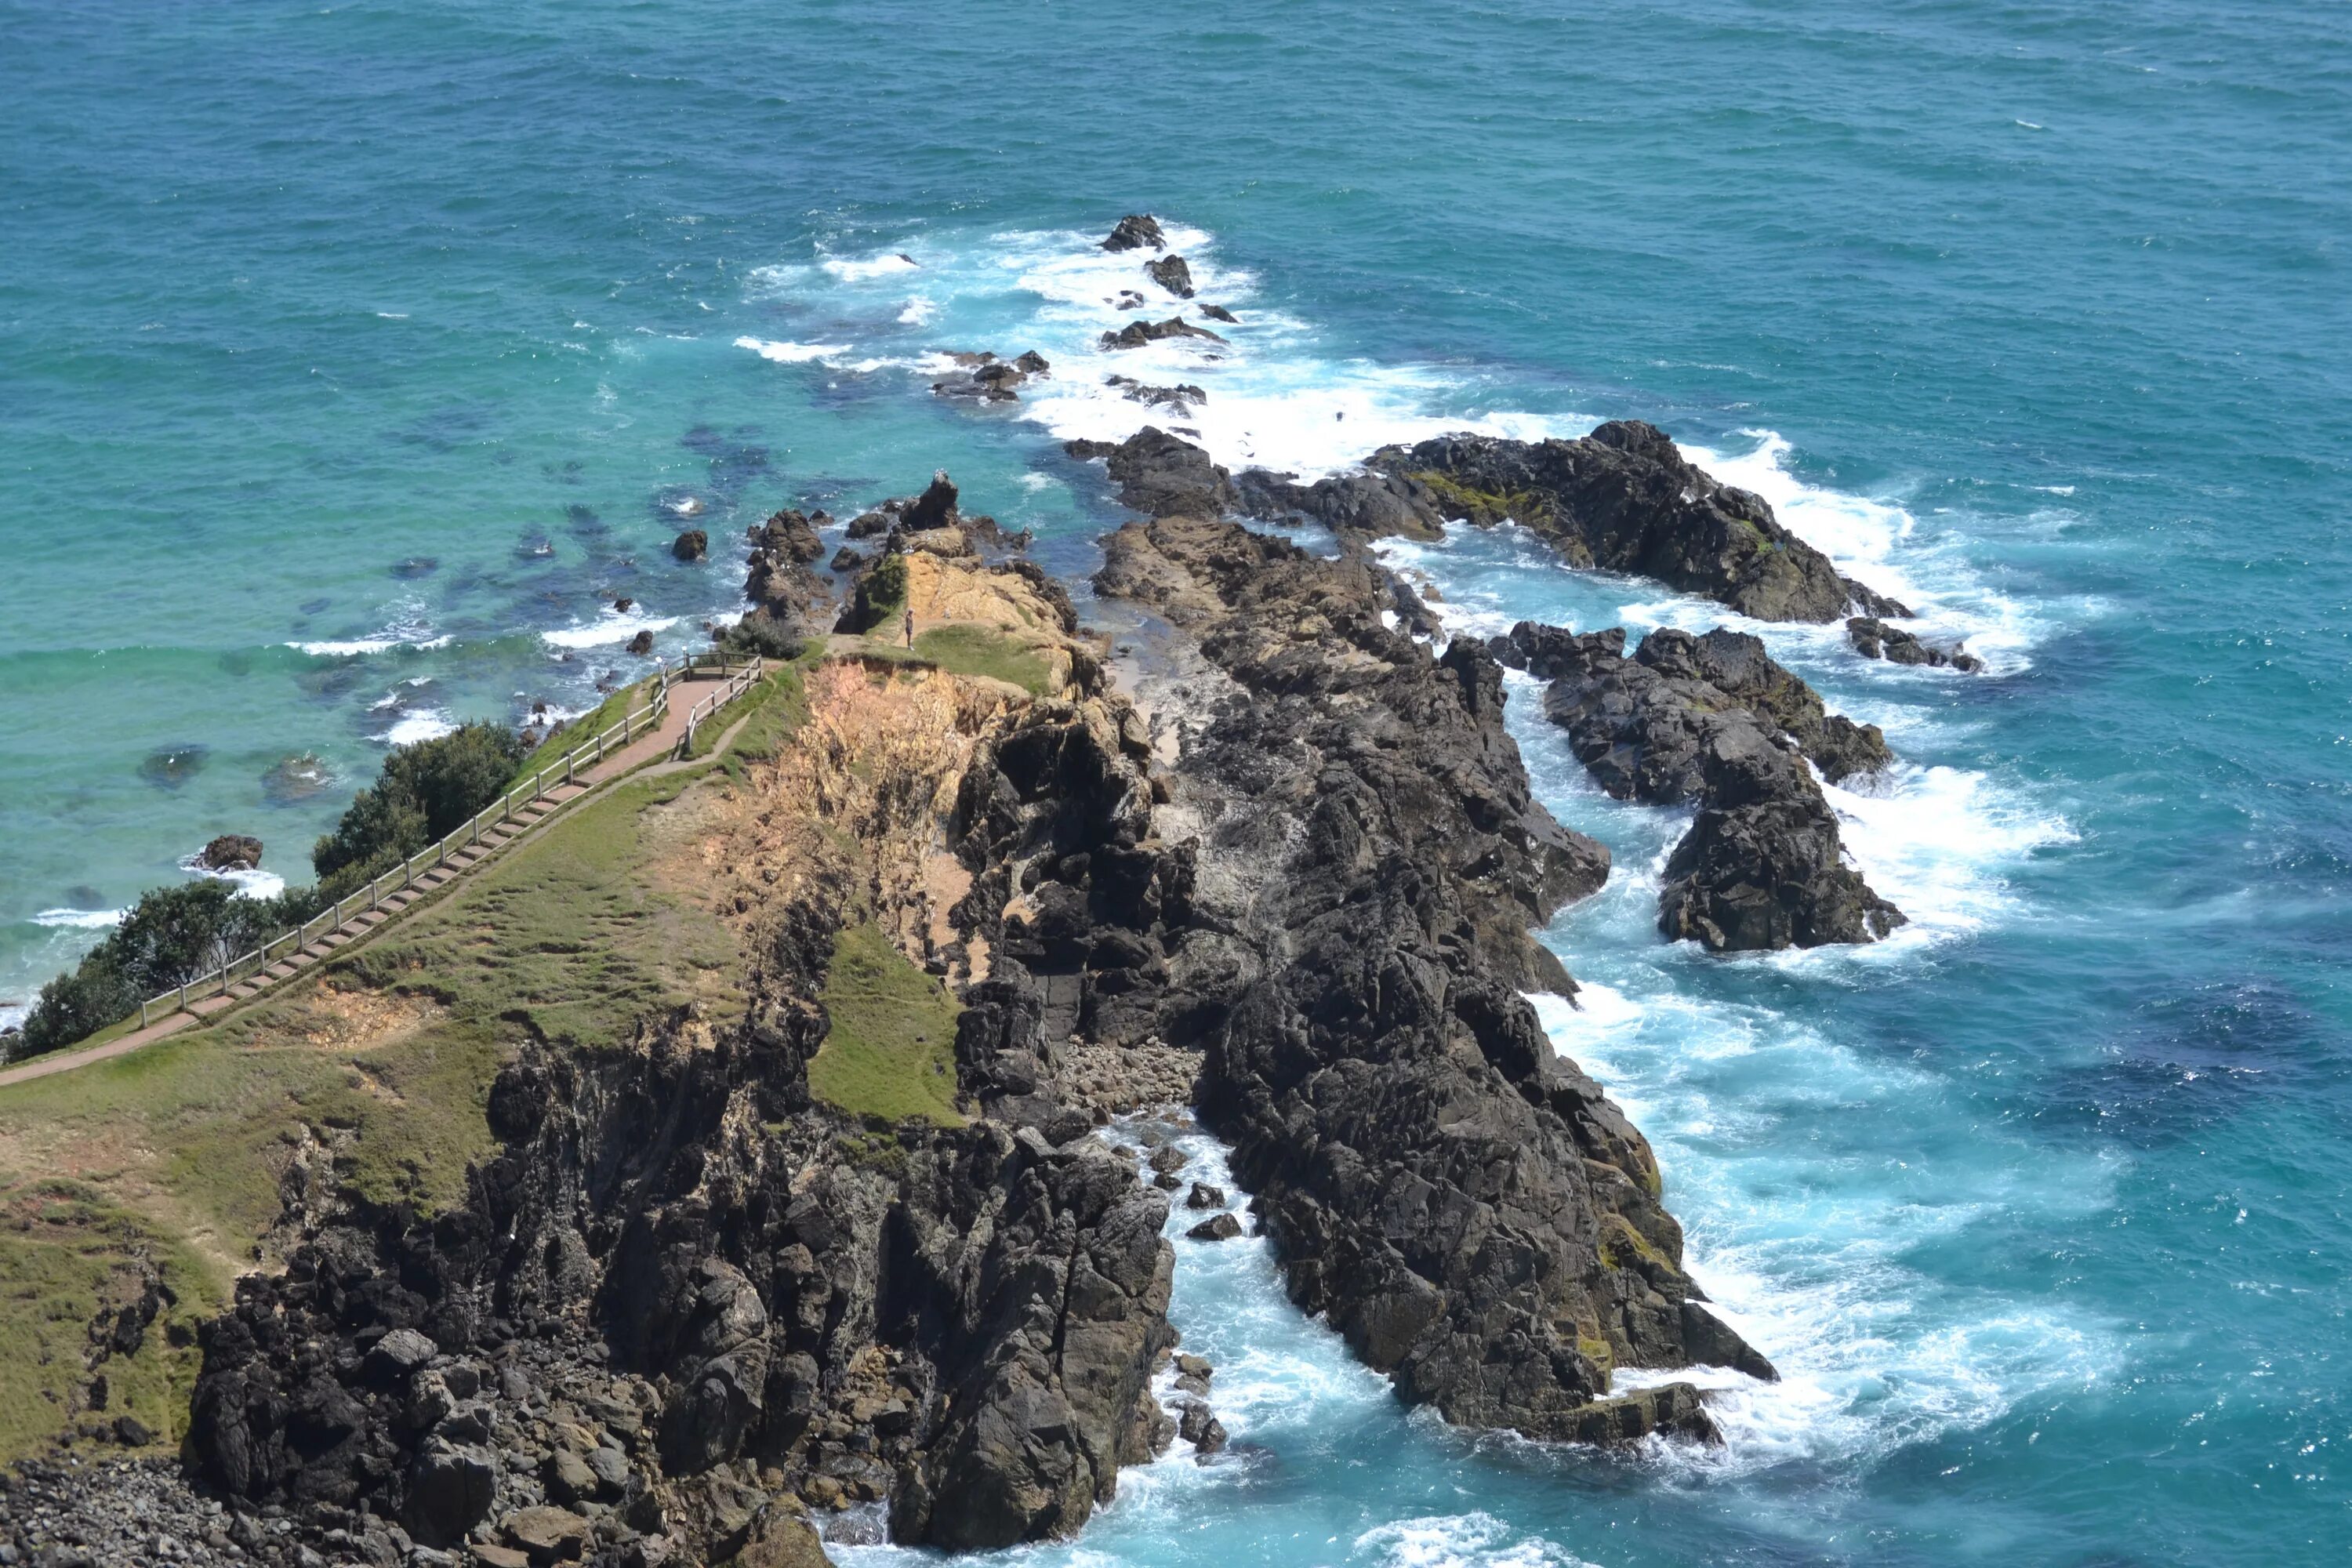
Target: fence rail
736, 686
739, 677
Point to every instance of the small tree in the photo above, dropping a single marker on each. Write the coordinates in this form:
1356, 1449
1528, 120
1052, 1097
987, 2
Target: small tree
762, 634
172, 936
423, 792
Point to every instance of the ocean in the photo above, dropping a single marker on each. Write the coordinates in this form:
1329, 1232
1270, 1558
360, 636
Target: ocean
353, 357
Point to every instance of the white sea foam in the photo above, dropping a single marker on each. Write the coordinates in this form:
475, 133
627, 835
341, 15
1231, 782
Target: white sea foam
255, 883
1477, 1540
917, 311
80, 919
1877, 541
857, 270
610, 627
789, 352
411, 728
1937, 841
384, 643
1805, 1260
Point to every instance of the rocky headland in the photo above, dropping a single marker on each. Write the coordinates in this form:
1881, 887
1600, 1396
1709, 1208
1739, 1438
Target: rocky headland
865, 1228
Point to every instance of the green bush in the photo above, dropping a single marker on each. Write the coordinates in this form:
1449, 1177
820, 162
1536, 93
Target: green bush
76, 1005
425, 792
174, 934
880, 593
760, 633
170, 937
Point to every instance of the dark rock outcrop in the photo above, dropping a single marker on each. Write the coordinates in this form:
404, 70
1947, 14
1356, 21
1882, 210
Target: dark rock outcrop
693, 545
780, 579
1180, 400
1873, 638
1469, 1209
1624, 499
1219, 313
935, 507
988, 379
1134, 232
1171, 274
1137, 333
1373, 504
1871, 602
1763, 865
230, 852
1735, 664
971, 1314
1163, 474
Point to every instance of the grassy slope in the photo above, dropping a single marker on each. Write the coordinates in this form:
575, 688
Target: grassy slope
584, 728
775, 704
567, 938
65, 1253
175, 1151
174, 1154
891, 1052
970, 650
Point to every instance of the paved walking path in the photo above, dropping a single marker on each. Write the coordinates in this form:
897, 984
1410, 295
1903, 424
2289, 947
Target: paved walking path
655, 742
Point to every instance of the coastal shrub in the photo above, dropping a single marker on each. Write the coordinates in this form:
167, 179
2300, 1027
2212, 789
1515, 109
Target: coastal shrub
171, 936
880, 593
424, 792
760, 634
175, 934
76, 1003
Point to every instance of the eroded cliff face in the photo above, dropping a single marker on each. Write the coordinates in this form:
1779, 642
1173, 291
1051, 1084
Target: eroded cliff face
689, 1298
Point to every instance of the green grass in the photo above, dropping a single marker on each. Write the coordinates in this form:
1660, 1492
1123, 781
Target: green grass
890, 1052
385, 1056
775, 704
584, 728
65, 1254
566, 937
971, 649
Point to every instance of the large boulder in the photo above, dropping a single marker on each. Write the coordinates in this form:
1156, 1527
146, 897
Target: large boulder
1716, 721
451, 1489
1163, 474
1134, 232
1171, 274
231, 852
935, 507
1624, 499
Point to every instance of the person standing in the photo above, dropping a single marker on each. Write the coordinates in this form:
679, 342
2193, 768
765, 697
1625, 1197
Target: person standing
910, 625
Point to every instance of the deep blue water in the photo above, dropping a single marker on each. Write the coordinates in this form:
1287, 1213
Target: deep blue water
316, 323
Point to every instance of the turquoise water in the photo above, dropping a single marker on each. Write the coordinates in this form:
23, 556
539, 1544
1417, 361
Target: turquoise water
353, 357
